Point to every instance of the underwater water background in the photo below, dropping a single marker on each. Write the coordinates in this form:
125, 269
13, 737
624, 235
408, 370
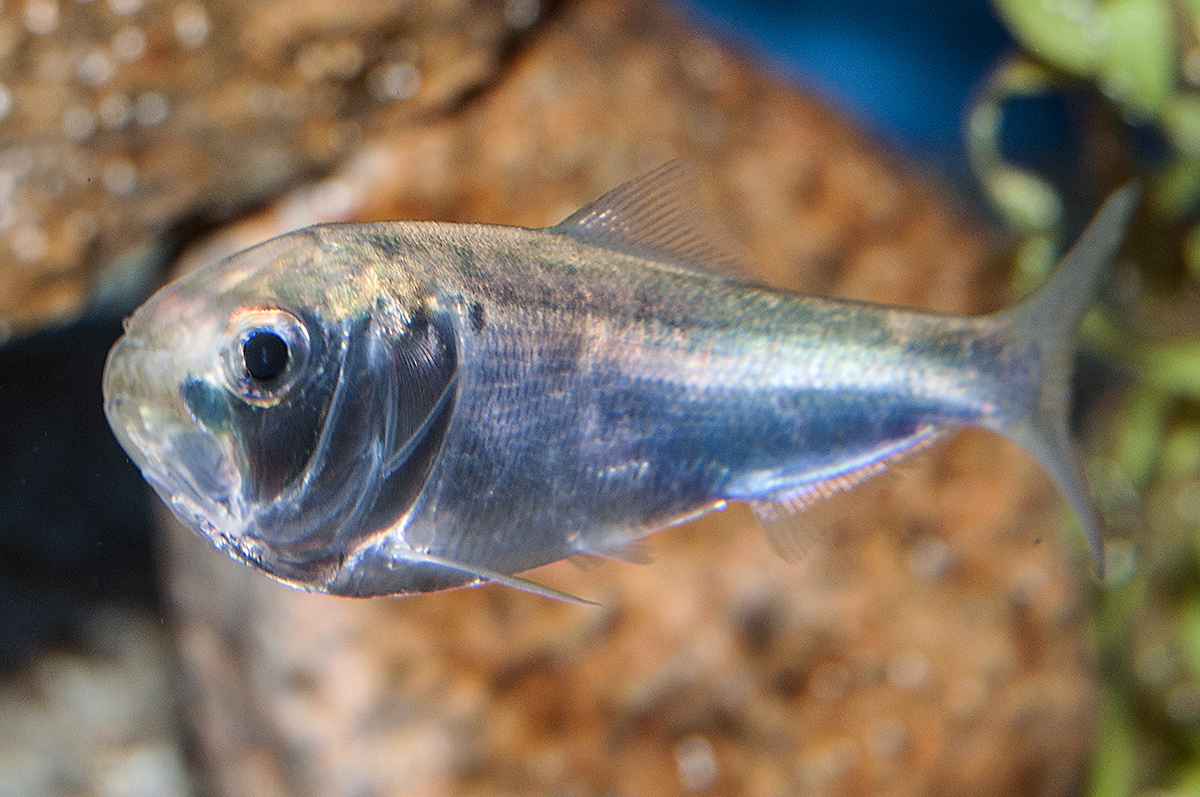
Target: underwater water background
74, 522
75, 515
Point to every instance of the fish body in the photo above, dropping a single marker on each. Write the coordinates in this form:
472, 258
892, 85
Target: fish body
401, 407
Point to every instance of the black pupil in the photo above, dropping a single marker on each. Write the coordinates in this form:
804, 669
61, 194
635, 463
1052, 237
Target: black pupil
266, 355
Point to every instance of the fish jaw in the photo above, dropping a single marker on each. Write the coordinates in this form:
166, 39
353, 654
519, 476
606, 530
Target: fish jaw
194, 469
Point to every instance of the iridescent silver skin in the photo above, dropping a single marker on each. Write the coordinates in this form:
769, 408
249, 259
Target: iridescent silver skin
460, 403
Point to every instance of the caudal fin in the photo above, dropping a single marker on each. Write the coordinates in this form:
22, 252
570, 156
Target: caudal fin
1047, 321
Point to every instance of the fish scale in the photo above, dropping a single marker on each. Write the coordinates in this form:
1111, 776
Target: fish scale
491, 399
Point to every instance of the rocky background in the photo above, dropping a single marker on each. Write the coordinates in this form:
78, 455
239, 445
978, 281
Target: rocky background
934, 641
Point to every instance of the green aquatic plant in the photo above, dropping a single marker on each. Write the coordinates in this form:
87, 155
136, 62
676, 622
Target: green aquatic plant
1140, 60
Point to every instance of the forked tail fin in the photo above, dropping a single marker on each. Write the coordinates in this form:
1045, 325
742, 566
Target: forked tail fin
1045, 324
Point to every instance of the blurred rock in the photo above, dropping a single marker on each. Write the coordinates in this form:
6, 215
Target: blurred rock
125, 125
933, 642
102, 719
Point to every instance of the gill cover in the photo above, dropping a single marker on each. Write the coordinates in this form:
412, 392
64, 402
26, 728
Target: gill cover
339, 424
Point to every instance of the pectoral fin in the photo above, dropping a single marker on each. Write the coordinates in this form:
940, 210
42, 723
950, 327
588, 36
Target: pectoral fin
504, 579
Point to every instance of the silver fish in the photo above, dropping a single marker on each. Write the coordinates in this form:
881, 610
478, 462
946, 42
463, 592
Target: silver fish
402, 407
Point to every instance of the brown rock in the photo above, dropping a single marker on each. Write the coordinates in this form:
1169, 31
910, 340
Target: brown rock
124, 121
98, 719
933, 641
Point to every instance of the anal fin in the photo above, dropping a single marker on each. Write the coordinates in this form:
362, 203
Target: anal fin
794, 520
635, 552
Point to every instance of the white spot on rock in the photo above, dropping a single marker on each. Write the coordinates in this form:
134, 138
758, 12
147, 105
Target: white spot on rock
150, 109
95, 69
129, 44
119, 177
29, 243
191, 25
115, 110
124, 8
929, 558
909, 670
41, 16
394, 82
696, 763
78, 123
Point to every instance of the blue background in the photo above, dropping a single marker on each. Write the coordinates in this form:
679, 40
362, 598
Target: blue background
905, 70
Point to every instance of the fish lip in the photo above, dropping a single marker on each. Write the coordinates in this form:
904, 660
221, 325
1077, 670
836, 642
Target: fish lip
193, 469
198, 472
197, 469
219, 515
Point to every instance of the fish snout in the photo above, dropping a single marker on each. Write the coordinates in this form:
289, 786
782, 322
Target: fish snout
193, 468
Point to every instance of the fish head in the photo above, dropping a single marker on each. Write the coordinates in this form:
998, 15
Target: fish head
283, 403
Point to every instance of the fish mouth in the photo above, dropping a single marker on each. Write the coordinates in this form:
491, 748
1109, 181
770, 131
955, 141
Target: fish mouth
188, 450
192, 468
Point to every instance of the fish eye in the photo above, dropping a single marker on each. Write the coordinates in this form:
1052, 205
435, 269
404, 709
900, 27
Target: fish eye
264, 353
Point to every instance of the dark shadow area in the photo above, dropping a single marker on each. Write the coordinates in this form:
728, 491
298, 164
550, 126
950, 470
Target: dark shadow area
74, 511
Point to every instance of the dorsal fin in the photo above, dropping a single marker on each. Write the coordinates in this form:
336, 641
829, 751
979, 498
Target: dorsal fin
659, 216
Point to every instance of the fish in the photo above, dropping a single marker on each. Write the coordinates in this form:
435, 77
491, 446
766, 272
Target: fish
395, 408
